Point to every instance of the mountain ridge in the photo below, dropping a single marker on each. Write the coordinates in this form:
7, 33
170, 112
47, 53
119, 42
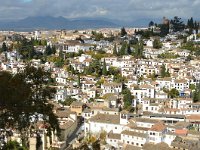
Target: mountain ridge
49, 22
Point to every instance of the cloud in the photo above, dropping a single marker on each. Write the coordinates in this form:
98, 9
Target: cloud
114, 9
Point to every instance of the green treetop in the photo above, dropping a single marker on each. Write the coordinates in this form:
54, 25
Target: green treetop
173, 93
25, 95
157, 44
127, 99
164, 72
123, 32
177, 24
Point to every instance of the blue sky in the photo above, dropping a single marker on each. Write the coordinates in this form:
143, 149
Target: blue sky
26, 1
126, 10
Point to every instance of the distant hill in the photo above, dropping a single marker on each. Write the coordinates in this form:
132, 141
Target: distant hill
48, 22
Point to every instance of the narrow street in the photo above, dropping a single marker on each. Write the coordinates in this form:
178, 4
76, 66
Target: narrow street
75, 134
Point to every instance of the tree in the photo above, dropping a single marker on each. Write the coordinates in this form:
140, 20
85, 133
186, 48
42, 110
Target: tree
138, 52
152, 76
167, 74
177, 24
97, 36
61, 55
96, 145
94, 68
53, 49
123, 49
127, 99
157, 44
151, 23
26, 49
115, 50
190, 23
4, 47
188, 58
25, 95
123, 32
102, 135
31, 52
80, 52
48, 50
173, 93
71, 69
164, 29
59, 62
129, 49
13, 145
68, 101
104, 70
164, 72
192, 87
196, 27
196, 94
79, 81
113, 71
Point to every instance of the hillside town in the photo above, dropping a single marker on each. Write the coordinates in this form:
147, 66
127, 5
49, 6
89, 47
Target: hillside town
115, 88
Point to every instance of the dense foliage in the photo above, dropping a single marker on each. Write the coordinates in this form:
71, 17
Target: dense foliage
196, 94
128, 98
177, 24
24, 98
164, 72
123, 32
157, 44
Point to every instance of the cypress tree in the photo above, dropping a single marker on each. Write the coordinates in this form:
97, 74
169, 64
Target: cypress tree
123, 49
79, 81
4, 47
31, 52
196, 94
115, 50
53, 49
48, 50
128, 49
123, 32
163, 71
104, 71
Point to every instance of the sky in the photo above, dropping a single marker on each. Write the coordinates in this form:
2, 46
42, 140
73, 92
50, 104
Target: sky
126, 10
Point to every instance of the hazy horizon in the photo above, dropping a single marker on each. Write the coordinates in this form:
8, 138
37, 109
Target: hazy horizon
127, 11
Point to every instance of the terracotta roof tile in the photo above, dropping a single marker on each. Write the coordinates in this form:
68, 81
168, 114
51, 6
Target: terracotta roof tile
158, 127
